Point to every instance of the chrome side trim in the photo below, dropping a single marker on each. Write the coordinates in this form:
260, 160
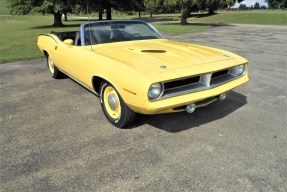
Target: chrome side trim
79, 82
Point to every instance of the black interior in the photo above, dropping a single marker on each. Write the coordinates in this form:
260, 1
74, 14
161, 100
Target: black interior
74, 35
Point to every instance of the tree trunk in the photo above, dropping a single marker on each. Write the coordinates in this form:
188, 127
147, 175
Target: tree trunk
58, 20
210, 11
185, 10
151, 15
140, 14
66, 18
100, 12
109, 13
212, 8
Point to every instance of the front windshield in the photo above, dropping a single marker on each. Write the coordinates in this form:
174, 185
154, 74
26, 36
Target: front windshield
117, 31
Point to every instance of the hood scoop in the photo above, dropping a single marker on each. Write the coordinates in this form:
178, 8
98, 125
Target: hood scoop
153, 51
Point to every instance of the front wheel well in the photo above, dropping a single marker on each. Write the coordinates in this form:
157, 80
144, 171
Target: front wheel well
96, 81
45, 53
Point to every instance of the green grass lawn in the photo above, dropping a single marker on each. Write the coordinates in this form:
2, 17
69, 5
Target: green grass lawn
3, 7
265, 17
18, 36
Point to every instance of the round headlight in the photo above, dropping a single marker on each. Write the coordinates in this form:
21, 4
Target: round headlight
154, 91
238, 70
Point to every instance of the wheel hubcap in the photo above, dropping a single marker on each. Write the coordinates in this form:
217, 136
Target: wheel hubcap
51, 66
113, 103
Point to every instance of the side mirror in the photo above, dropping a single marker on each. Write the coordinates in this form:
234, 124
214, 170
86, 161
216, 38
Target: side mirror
69, 42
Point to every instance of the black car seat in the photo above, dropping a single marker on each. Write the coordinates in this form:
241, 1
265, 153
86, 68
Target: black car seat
116, 35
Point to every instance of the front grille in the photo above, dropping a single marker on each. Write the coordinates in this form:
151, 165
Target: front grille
181, 82
219, 73
197, 83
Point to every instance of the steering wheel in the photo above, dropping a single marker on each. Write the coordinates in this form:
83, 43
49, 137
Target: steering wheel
135, 35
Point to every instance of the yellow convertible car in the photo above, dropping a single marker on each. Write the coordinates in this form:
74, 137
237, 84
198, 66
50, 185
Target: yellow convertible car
133, 69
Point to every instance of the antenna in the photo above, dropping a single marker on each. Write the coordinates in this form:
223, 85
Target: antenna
90, 31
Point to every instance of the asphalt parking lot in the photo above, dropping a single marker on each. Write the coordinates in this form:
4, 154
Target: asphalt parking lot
54, 136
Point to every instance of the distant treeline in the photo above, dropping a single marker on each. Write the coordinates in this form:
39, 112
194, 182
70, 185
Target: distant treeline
105, 7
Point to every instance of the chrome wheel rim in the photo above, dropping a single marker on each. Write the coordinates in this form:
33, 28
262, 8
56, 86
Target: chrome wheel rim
51, 65
112, 102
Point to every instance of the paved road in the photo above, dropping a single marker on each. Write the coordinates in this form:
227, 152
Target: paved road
54, 137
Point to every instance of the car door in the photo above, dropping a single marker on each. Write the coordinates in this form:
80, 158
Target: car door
76, 62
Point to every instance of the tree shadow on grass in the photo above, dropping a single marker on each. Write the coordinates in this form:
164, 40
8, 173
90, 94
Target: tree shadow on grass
172, 18
201, 15
199, 24
177, 122
67, 25
156, 19
52, 26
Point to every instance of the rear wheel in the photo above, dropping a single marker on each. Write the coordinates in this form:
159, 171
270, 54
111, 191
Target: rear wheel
114, 108
53, 70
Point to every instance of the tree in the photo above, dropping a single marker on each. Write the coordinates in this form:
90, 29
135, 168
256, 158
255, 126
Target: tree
100, 9
212, 5
187, 6
87, 6
55, 7
277, 4
107, 4
256, 6
153, 5
136, 5
128, 5
228, 3
242, 7
121, 5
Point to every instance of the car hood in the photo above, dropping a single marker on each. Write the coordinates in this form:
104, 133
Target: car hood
160, 56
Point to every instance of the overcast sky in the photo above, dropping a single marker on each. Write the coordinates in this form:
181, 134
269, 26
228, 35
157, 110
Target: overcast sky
248, 3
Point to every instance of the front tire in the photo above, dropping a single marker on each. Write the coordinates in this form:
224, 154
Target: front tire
114, 108
53, 70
